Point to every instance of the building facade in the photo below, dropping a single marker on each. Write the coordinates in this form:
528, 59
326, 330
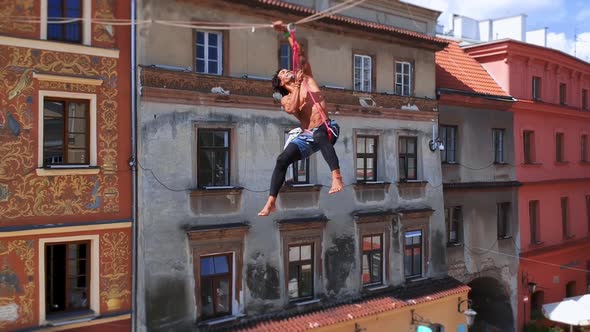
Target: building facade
65, 183
480, 187
551, 121
209, 133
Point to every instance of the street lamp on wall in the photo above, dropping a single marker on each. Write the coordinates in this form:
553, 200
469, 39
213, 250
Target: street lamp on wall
435, 143
469, 313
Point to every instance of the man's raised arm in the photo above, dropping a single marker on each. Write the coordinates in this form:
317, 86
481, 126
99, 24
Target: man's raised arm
279, 26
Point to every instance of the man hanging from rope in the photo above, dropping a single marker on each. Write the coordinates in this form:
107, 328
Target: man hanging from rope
302, 98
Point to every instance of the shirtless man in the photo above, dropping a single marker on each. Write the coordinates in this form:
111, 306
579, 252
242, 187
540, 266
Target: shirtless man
317, 133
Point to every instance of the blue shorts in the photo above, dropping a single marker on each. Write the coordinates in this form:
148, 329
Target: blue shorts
305, 141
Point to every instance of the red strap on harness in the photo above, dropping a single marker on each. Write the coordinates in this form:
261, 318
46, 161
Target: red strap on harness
296, 67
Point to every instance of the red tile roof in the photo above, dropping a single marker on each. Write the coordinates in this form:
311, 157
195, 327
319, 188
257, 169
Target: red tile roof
363, 308
353, 21
456, 70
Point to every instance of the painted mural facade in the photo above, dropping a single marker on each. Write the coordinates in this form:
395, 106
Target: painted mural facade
40, 205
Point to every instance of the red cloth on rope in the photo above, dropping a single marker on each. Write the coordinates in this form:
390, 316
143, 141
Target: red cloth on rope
296, 67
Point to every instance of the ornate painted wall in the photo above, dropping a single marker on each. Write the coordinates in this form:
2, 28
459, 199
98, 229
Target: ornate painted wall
19, 277
24, 194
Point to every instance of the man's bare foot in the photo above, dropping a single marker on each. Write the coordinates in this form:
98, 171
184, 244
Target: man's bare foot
337, 183
268, 208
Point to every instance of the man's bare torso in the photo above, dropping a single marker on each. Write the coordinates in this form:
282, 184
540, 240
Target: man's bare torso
309, 114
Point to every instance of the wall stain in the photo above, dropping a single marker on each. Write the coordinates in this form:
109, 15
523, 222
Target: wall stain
262, 278
166, 308
340, 261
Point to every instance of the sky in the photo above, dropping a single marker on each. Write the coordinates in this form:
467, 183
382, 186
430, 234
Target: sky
563, 18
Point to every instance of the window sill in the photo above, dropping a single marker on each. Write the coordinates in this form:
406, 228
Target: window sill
217, 321
373, 288
306, 302
412, 183
416, 278
569, 237
561, 163
90, 170
536, 244
454, 244
585, 163
496, 163
507, 237
531, 164
214, 191
296, 188
372, 185
450, 163
70, 318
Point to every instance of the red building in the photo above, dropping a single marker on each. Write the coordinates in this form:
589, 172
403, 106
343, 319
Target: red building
65, 183
551, 130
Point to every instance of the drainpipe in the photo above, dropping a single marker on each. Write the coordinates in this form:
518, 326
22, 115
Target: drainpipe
133, 164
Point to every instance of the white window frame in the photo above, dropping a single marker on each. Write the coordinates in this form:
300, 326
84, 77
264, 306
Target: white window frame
94, 272
93, 159
86, 23
206, 53
401, 75
365, 59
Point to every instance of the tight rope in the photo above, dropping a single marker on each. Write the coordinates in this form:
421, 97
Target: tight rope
184, 24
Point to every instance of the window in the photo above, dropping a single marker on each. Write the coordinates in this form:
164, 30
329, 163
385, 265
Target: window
503, 220
448, 134
408, 162
66, 136
362, 73
67, 277
216, 285
217, 253
57, 11
537, 301
413, 254
529, 146
366, 158
584, 99
562, 93
213, 157
372, 259
534, 222
570, 289
498, 137
584, 148
298, 172
285, 57
536, 88
453, 221
559, 148
209, 53
300, 271
565, 227
588, 211
403, 78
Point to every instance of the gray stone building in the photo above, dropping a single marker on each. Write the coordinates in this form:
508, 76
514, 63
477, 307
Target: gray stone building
480, 191
210, 131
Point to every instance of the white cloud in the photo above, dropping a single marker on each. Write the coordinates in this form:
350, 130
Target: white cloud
581, 48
